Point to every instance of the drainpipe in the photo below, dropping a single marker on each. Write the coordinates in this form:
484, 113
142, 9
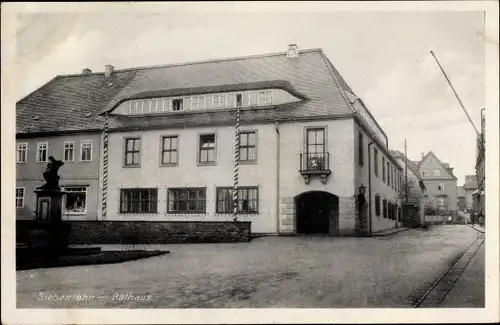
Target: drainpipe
277, 180
370, 188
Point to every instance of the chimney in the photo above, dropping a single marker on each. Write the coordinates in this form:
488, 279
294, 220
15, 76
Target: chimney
108, 70
293, 51
86, 71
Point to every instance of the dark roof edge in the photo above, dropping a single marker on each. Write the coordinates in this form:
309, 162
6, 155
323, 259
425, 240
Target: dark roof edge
224, 123
277, 84
374, 119
54, 133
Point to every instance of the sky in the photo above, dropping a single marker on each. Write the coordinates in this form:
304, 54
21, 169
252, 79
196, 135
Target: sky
383, 56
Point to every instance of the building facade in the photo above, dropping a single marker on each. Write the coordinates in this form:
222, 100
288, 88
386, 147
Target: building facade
306, 145
440, 183
61, 119
470, 187
415, 191
479, 195
462, 203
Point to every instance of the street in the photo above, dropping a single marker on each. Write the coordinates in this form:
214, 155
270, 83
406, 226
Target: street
269, 272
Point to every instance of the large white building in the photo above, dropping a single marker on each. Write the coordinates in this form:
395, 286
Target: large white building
312, 157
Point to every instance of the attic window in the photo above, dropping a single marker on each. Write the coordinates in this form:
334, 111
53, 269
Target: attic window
36, 118
88, 114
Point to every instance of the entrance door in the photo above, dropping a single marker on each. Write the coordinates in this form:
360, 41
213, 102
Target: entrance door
317, 213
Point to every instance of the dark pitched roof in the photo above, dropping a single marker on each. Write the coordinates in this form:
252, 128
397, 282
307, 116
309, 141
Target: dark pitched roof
411, 164
308, 76
470, 182
68, 103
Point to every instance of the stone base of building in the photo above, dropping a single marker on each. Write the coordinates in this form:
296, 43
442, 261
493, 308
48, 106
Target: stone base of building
143, 232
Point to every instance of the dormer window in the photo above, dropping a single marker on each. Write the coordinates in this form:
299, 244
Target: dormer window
177, 105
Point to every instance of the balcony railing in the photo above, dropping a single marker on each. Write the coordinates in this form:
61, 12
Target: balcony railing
315, 162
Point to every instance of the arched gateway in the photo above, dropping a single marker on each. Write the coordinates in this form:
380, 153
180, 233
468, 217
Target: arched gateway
317, 213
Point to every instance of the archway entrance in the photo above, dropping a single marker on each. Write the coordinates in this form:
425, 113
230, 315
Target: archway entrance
317, 213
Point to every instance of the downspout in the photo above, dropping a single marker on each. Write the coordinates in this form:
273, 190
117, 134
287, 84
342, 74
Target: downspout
277, 180
370, 188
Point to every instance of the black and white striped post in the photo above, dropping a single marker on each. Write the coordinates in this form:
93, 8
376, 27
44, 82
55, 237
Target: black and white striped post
236, 164
105, 168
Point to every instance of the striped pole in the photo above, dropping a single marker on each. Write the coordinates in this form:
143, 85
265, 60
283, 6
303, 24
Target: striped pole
105, 168
236, 164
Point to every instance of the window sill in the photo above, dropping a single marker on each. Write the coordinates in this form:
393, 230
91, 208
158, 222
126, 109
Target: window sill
21, 162
248, 162
202, 164
169, 165
137, 213
74, 213
185, 213
85, 161
131, 166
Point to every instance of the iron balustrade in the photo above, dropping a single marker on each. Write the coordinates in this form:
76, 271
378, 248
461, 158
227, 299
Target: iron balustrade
315, 162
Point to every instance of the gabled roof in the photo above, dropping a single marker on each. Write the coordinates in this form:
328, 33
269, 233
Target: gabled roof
309, 76
68, 103
445, 167
411, 165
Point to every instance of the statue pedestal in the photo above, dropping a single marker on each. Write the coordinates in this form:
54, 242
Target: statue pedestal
49, 217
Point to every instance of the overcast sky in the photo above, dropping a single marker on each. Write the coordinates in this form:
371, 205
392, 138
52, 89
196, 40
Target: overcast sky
384, 56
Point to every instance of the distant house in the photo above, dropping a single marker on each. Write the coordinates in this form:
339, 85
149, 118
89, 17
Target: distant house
479, 194
462, 205
440, 183
416, 186
470, 186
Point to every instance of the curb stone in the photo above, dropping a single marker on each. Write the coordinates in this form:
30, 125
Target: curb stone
440, 289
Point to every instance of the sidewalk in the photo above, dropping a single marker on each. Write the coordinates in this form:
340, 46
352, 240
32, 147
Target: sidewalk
462, 286
477, 227
388, 232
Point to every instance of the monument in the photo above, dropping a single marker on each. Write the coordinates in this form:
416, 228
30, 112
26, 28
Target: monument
49, 204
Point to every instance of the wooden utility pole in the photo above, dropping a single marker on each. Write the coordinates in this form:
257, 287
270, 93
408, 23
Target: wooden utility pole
456, 95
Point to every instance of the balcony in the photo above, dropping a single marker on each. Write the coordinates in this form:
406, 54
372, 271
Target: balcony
312, 164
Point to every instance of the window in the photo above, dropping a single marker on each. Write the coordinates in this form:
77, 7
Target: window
384, 206
383, 169
425, 173
218, 101
42, 149
139, 200
156, 106
388, 174
315, 149
86, 150
69, 151
253, 99
375, 161
360, 149
248, 146
169, 150
248, 200
441, 201
177, 105
265, 98
75, 201
136, 107
195, 102
22, 152
207, 148
239, 100
132, 150
437, 172
19, 197
377, 205
187, 200
441, 187
209, 101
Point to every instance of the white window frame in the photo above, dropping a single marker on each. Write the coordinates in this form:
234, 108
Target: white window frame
21, 198
437, 172
250, 103
441, 186
134, 107
82, 143
267, 95
64, 150
22, 146
39, 146
425, 173
68, 189
195, 100
181, 107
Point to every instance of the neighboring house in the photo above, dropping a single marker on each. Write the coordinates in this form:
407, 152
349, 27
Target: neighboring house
303, 149
479, 194
440, 183
462, 204
61, 119
470, 186
416, 188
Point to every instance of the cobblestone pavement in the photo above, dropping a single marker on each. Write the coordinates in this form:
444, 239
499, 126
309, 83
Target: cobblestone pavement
268, 272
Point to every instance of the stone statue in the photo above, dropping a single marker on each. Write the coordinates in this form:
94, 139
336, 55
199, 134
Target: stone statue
50, 174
